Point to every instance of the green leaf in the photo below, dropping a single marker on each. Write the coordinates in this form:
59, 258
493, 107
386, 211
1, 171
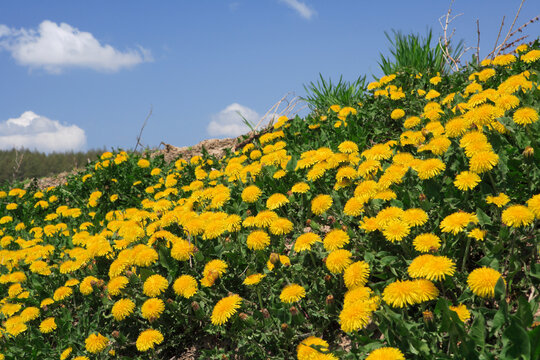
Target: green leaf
478, 331
534, 337
516, 344
483, 218
524, 312
500, 290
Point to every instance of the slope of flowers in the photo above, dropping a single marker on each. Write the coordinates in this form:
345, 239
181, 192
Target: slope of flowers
403, 227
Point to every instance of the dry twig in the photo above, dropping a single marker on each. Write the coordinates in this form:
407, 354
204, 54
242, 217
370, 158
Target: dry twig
142, 128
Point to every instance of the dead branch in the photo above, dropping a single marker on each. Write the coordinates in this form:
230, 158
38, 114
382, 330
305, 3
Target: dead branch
511, 27
478, 42
447, 39
142, 128
497, 40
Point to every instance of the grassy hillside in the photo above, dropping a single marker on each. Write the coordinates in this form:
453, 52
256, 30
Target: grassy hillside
403, 226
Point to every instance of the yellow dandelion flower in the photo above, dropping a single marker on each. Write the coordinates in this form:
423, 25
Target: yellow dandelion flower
48, 325
305, 241
116, 285
185, 285
182, 250
356, 275
354, 207
335, 239
457, 222
397, 114
96, 343
155, 285
338, 260
534, 205
66, 353
29, 314
429, 168
427, 242
152, 308
225, 308
213, 270
396, 230
525, 116
314, 348
281, 226
431, 267
414, 217
300, 188
386, 353
411, 122
276, 201
320, 204
251, 194
148, 339
466, 180
482, 281
531, 56
122, 309
477, 234
432, 94
292, 293
348, 147
62, 292
258, 240
499, 200
253, 279
265, 218
517, 216
357, 315
461, 311
503, 60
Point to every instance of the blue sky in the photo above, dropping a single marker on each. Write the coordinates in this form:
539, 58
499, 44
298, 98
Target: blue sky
80, 75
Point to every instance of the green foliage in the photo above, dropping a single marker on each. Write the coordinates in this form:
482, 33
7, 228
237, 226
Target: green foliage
23, 164
324, 93
132, 214
413, 53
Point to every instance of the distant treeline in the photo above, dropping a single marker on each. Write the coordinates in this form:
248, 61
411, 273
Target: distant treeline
26, 164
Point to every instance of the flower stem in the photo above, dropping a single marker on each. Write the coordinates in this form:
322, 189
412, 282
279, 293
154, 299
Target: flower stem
465, 254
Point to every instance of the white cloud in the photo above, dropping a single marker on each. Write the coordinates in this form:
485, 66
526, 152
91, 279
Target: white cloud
229, 122
55, 47
303, 10
32, 131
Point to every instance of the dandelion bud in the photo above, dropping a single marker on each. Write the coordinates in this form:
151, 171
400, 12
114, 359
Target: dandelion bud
528, 152
425, 132
243, 316
195, 306
293, 310
422, 197
129, 273
284, 327
289, 193
329, 299
100, 283
265, 313
343, 227
169, 301
116, 334
274, 258
327, 278
308, 222
428, 316
332, 220
248, 212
